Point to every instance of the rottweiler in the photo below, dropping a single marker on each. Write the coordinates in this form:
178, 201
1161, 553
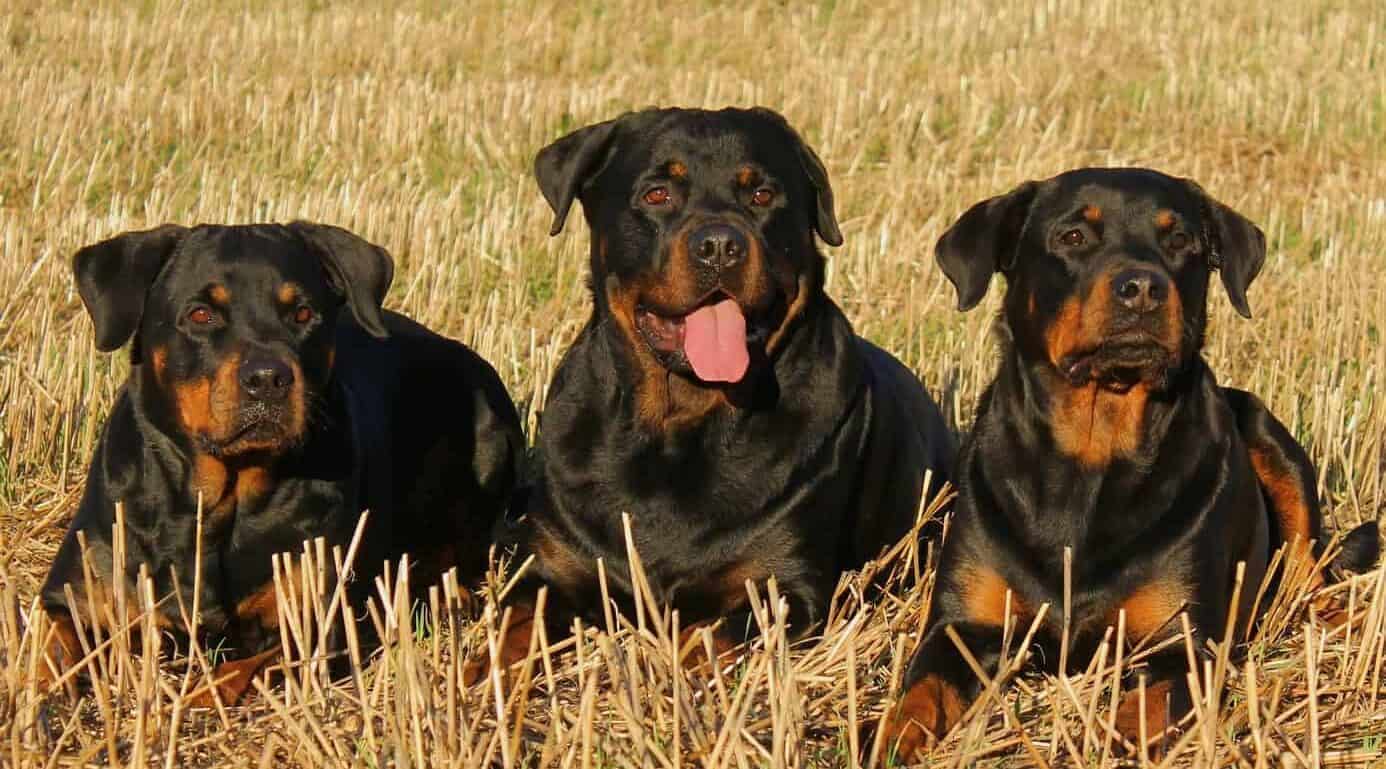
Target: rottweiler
1104, 431
716, 394
268, 385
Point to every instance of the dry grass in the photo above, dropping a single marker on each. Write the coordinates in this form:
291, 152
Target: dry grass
415, 127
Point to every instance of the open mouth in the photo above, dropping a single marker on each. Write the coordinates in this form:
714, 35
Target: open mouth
714, 339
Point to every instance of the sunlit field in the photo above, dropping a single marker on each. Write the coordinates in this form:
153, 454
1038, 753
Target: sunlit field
415, 126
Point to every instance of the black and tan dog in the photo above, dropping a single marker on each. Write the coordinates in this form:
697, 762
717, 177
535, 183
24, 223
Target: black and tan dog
1105, 431
267, 382
716, 394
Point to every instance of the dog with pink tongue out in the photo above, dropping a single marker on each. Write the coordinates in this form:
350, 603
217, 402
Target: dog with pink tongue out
715, 342
717, 394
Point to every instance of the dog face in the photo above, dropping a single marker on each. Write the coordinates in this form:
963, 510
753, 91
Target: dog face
234, 327
1106, 270
703, 224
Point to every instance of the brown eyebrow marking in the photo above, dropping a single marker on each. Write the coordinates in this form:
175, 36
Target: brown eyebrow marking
677, 169
288, 292
1164, 219
220, 295
159, 359
745, 175
1093, 214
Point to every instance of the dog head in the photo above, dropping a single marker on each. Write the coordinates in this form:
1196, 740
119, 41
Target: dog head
703, 250
1107, 270
233, 327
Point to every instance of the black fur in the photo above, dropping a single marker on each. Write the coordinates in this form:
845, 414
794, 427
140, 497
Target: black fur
358, 410
1105, 431
807, 466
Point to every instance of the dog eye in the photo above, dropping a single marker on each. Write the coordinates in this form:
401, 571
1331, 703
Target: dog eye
1178, 241
303, 315
656, 196
762, 197
1072, 238
201, 316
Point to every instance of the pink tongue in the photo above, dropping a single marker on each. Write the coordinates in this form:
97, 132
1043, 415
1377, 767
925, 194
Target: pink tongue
715, 342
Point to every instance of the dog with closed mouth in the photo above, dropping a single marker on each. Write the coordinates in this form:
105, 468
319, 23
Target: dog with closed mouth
269, 387
1105, 431
717, 395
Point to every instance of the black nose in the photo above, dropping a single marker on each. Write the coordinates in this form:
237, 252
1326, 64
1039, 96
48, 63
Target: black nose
718, 246
266, 378
1141, 290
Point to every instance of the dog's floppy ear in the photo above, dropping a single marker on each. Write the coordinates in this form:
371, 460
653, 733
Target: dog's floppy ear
824, 216
359, 270
113, 278
825, 220
565, 167
984, 241
1236, 247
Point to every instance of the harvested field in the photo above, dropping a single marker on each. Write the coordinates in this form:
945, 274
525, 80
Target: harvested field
415, 125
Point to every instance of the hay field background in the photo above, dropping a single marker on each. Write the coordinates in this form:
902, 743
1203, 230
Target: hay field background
415, 125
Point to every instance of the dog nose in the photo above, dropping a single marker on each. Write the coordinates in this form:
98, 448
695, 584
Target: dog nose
1141, 290
718, 246
266, 379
